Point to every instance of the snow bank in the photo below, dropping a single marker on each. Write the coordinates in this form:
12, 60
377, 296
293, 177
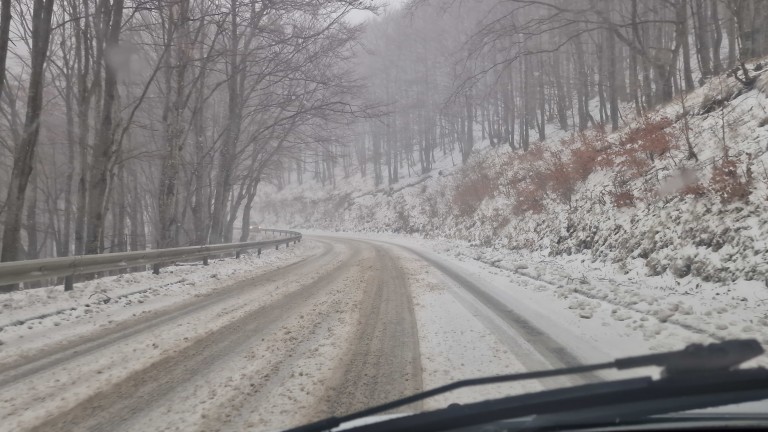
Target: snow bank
27, 317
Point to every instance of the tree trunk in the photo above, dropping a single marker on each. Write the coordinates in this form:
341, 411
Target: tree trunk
560, 95
378, 177
245, 227
582, 83
601, 85
469, 139
103, 152
634, 84
134, 214
201, 204
730, 30
167, 201
647, 86
511, 108
524, 97
5, 28
84, 94
24, 153
613, 94
121, 199
31, 223
759, 32
69, 112
687, 74
542, 101
701, 30
227, 154
745, 13
717, 38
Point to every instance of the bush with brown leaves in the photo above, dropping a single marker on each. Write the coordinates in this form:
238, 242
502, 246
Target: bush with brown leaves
476, 184
729, 183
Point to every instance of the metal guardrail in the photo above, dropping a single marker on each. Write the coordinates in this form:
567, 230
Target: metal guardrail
31, 270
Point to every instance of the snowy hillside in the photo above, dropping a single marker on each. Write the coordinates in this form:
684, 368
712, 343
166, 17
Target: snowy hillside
634, 198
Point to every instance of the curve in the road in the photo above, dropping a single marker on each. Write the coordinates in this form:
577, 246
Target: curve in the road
380, 361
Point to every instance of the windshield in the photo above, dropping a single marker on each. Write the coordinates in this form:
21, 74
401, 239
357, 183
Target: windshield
257, 214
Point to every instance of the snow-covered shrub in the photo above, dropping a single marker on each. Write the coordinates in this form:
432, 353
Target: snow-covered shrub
623, 198
475, 185
729, 183
585, 158
640, 147
533, 176
402, 220
717, 92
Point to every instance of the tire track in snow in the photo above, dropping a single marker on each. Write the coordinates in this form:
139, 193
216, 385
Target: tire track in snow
300, 361
551, 350
59, 355
123, 402
555, 353
383, 361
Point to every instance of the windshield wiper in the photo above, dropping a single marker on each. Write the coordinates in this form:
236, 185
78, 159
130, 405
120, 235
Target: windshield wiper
702, 375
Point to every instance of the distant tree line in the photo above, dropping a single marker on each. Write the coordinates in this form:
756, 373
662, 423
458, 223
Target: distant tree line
446, 74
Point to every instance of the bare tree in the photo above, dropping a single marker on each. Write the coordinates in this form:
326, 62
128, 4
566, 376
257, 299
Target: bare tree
5, 28
24, 153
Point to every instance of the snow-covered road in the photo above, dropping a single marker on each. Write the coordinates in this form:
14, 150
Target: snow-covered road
333, 326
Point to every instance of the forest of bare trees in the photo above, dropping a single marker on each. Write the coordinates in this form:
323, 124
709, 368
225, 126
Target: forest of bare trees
133, 124
126, 125
450, 73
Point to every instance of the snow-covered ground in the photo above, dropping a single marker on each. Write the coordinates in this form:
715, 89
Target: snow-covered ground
267, 353
27, 317
286, 363
457, 342
596, 311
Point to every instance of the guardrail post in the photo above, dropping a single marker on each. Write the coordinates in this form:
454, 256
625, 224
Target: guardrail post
156, 268
277, 246
69, 283
237, 254
259, 253
205, 261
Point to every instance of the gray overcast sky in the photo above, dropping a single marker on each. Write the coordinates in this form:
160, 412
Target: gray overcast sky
360, 16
